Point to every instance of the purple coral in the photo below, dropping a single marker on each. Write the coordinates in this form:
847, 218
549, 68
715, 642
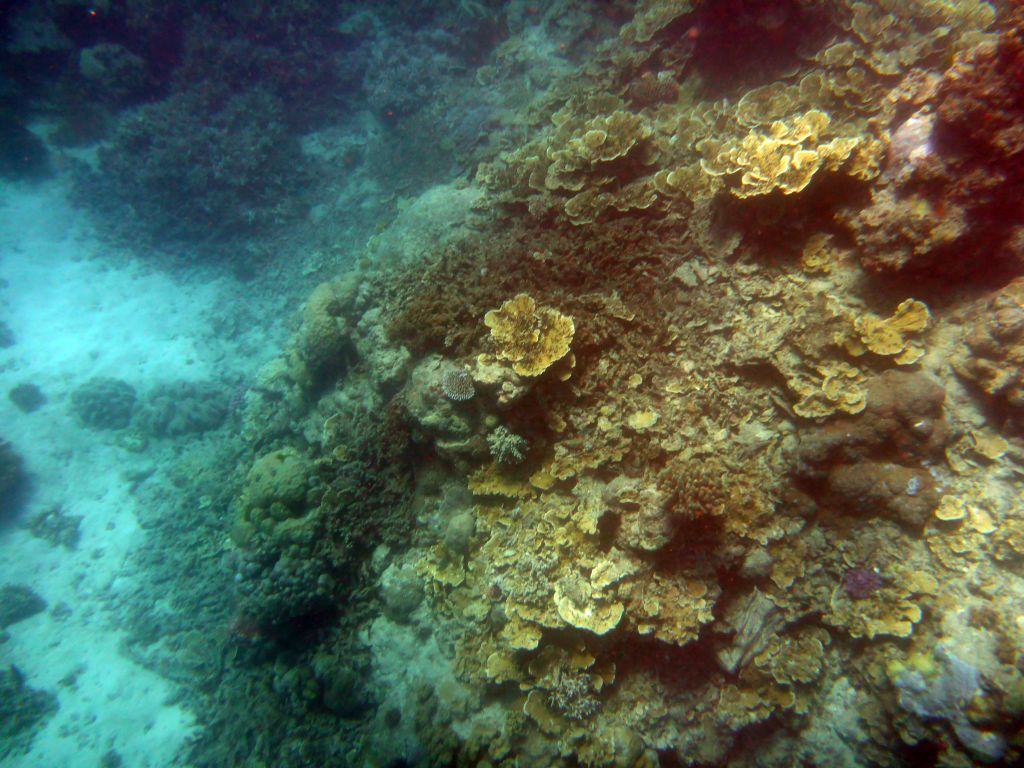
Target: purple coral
457, 385
862, 582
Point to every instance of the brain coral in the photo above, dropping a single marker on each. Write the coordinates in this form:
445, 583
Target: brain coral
529, 337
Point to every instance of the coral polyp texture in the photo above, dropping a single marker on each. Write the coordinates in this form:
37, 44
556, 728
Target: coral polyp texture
697, 441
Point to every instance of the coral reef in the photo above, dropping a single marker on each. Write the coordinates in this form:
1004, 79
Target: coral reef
685, 432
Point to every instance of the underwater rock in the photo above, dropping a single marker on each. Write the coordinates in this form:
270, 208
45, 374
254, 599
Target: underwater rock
344, 692
115, 74
754, 620
28, 397
875, 463
868, 488
458, 534
7, 338
17, 603
903, 418
386, 363
992, 358
104, 403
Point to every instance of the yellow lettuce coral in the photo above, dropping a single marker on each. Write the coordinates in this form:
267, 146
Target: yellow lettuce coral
891, 336
786, 158
529, 337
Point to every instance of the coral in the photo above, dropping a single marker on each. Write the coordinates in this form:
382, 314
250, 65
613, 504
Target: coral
278, 480
890, 336
182, 408
56, 527
786, 158
579, 607
595, 152
104, 403
529, 337
574, 696
324, 340
861, 583
242, 166
892, 610
651, 17
457, 385
507, 447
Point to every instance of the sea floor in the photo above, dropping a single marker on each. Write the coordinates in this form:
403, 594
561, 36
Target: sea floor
75, 316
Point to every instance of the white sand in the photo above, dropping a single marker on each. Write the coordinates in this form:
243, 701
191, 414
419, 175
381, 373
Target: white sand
74, 318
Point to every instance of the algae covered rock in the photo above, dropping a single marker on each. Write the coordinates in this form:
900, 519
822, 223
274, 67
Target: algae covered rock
104, 403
